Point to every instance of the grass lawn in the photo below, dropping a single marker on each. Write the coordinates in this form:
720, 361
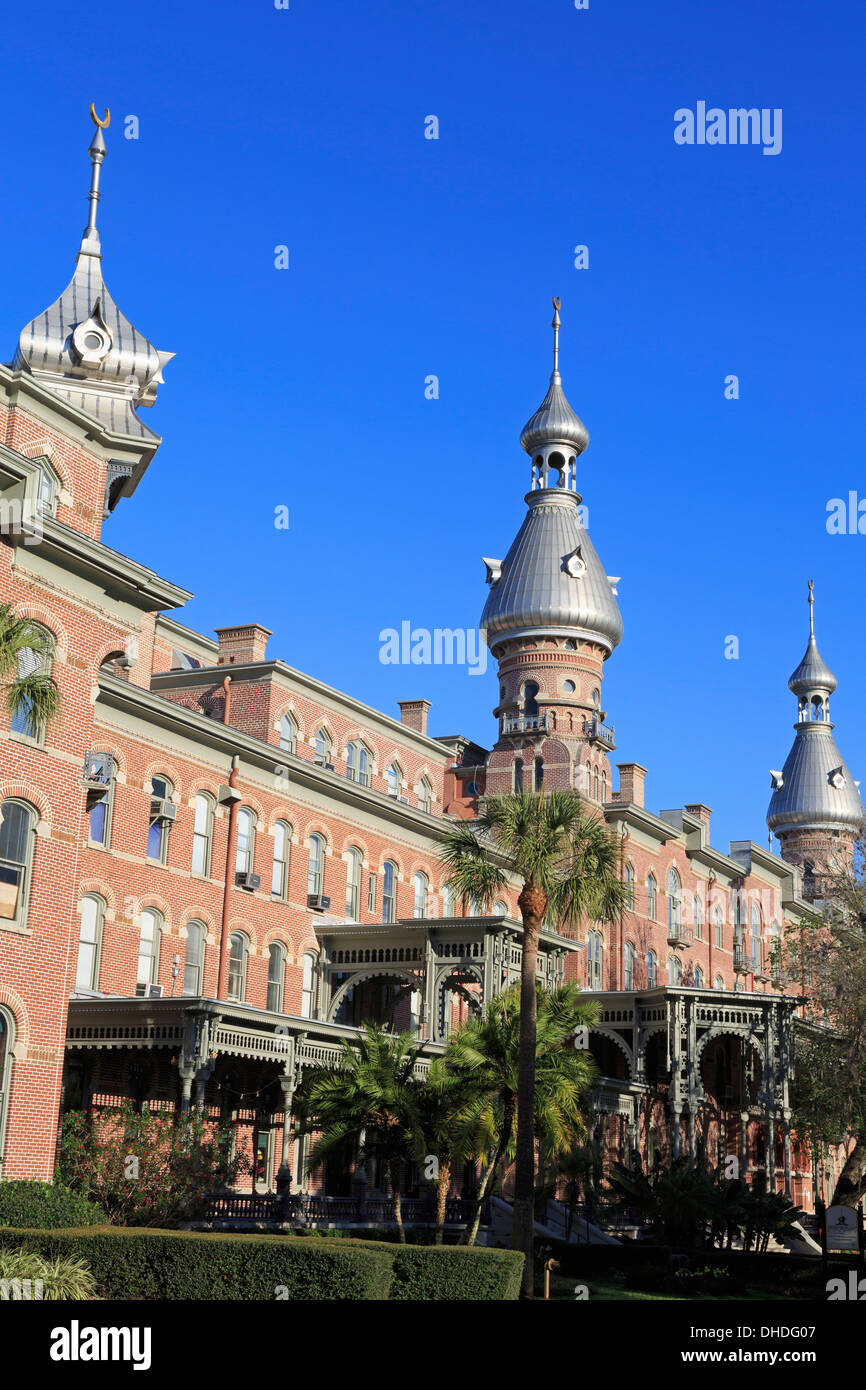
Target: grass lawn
562, 1290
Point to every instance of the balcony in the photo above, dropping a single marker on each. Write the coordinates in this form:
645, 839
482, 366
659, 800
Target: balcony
599, 732
527, 724
744, 961
679, 937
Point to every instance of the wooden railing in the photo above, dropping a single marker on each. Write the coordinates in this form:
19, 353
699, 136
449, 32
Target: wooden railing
308, 1208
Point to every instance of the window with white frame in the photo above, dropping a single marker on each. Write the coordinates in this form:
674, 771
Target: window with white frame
420, 884
652, 969
359, 763
17, 832
150, 928
323, 747
629, 964
308, 984
594, 959
675, 971
159, 823
280, 865
202, 834
629, 887
237, 981
698, 911
394, 779
425, 795
31, 663
276, 976
316, 866
674, 903
288, 734
651, 897
89, 941
389, 891
354, 872
193, 969
718, 926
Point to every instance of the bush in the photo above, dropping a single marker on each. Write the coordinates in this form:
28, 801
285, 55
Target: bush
139, 1262
45, 1206
27, 1274
462, 1273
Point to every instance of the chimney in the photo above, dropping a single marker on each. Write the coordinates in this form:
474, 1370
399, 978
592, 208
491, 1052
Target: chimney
413, 713
702, 813
631, 779
241, 644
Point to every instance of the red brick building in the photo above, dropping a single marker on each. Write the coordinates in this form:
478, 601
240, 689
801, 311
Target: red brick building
214, 867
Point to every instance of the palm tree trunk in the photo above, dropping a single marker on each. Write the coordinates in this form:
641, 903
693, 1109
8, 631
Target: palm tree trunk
394, 1177
852, 1180
523, 1231
442, 1186
490, 1171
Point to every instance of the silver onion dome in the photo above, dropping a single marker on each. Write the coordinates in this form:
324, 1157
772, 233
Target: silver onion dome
554, 422
813, 673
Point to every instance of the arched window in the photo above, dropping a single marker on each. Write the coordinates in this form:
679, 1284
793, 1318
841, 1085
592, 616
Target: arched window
288, 734
354, 869
358, 763
699, 977
518, 774
89, 942
652, 969
420, 885
604, 784
47, 488
651, 897
594, 960
316, 866
539, 774
629, 887
697, 909
394, 778
276, 976
718, 983
447, 900
148, 949
99, 776
280, 866
718, 926
595, 784
308, 985
500, 908
17, 829
755, 924
323, 748
675, 971
425, 795
775, 950
238, 949
530, 702
202, 834
162, 812
629, 964
193, 970
31, 661
674, 903
245, 852
389, 891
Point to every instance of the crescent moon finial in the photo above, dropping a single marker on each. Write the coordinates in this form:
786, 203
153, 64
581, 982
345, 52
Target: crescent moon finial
106, 120
557, 303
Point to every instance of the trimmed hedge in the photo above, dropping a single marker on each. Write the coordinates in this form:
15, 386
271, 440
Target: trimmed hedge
455, 1272
45, 1206
141, 1262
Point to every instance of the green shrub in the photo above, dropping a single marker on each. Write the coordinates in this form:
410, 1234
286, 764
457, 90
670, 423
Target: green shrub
45, 1206
25, 1273
466, 1274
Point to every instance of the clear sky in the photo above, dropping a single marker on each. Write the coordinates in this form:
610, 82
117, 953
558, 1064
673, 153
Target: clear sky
408, 257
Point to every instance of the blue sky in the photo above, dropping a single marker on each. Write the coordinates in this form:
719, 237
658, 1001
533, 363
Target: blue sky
408, 257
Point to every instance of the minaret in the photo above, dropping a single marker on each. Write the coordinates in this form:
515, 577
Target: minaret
551, 620
85, 350
815, 809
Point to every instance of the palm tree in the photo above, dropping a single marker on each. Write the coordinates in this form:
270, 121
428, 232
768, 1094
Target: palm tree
487, 1050
444, 1103
31, 693
367, 1103
568, 864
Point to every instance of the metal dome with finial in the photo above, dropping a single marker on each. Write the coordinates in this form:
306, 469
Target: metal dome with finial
813, 674
554, 422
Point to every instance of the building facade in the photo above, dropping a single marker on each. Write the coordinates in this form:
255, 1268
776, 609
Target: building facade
214, 868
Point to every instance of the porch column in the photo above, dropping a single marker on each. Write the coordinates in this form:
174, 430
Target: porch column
770, 1131
744, 1144
677, 1117
787, 1142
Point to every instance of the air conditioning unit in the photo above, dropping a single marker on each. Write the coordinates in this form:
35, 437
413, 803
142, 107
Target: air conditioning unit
404, 799
250, 881
160, 809
329, 767
318, 902
148, 991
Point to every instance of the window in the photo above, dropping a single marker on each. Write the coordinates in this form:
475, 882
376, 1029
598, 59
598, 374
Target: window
288, 734
371, 893
238, 949
518, 774
539, 774
447, 900
148, 947
157, 833
595, 784
276, 976
7, 1042
699, 977
280, 865
651, 897
425, 795
202, 834
675, 971
323, 747
757, 957
47, 487
32, 662
193, 969
717, 926
17, 828
308, 985
629, 965
629, 887
89, 942
420, 885
394, 778
595, 950
316, 866
604, 784
389, 891
354, 869
358, 763
652, 969
718, 983
674, 903
500, 908
245, 851
699, 918
99, 772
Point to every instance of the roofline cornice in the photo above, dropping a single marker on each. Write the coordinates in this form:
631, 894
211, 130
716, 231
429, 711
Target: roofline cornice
16, 383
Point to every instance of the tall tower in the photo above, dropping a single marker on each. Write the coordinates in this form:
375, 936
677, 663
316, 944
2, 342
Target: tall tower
815, 809
551, 620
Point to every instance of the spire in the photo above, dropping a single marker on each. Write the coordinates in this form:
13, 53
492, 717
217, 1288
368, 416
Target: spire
812, 609
554, 375
555, 435
90, 239
813, 682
